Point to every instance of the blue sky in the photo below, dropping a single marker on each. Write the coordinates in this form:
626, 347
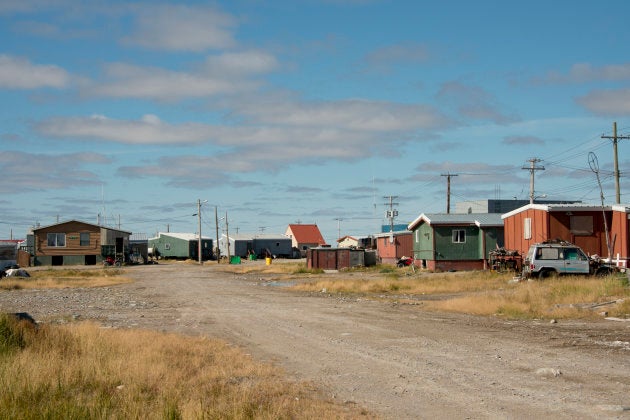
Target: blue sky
313, 111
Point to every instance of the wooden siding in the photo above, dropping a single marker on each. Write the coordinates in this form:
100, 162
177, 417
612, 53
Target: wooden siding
391, 252
73, 231
446, 249
620, 235
557, 225
423, 243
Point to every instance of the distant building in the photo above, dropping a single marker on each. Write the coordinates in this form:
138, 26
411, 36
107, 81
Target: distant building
347, 242
261, 245
399, 227
499, 206
304, 236
180, 245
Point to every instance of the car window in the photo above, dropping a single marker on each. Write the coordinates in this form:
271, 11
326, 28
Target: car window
547, 254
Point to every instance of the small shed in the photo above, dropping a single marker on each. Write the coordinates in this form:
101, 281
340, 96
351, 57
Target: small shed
326, 258
392, 246
180, 246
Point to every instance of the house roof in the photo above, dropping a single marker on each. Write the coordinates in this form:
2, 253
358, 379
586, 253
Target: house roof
307, 234
394, 233
82, 222
566, 207
250, 237
347, 237
182, 236
479, 219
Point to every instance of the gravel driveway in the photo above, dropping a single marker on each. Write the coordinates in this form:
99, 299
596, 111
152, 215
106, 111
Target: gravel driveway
396, 360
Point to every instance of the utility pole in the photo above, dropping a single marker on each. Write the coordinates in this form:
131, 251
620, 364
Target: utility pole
614, 139
227, 233
338, 219
199, 242
448, 176
391, 214
216, 224
532, 168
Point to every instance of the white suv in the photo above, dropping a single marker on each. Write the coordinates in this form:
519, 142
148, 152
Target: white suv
555, 258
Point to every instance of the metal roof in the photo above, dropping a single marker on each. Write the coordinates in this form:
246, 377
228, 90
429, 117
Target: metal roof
80, 221
567, 207
182, 236
479, 219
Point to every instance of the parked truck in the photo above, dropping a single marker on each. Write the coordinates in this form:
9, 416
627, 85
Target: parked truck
554, 258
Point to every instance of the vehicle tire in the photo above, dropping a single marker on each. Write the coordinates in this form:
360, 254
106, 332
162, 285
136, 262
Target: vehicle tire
603, 272
400, 265
118, 263
545, 274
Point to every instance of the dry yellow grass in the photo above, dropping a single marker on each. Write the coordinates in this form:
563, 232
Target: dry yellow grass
487, 293
63, 278
83, 371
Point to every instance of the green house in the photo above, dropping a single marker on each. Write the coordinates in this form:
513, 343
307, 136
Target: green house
446, 242
180, 246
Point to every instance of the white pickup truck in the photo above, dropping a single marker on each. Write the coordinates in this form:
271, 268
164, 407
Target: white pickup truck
555, 258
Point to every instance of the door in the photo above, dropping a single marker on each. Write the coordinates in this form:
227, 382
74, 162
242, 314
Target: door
575, 261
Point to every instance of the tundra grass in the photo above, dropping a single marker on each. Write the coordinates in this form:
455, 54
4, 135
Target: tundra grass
83, 371
63, 278
489, 293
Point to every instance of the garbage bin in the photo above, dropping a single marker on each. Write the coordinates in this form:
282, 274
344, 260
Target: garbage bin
268, 260
235, 259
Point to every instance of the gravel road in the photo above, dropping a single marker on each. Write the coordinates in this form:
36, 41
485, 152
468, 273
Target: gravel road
398, 361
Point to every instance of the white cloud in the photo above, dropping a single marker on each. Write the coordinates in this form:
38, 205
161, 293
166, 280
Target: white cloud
183, 28
19, 73
607, 102
129, 81
360, 115
585, 72
148, 130
473, 102
38, 172
240, 63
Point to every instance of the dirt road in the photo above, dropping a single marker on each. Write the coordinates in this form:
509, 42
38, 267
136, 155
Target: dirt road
396, 360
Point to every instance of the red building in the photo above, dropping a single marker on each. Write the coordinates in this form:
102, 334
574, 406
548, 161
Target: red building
390, 247
583, 225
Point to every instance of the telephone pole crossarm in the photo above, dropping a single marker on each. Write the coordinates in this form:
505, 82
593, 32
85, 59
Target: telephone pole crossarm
615, 138
532, 168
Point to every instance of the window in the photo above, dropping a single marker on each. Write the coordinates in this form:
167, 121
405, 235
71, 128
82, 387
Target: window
56, 239
527, 228
84, 239
582, 225
459, 236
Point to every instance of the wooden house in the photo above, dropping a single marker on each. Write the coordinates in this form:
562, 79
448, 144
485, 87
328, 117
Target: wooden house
347, 242
77, 243
390, 247
447, 242
304, 236
581, 224
180, 246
